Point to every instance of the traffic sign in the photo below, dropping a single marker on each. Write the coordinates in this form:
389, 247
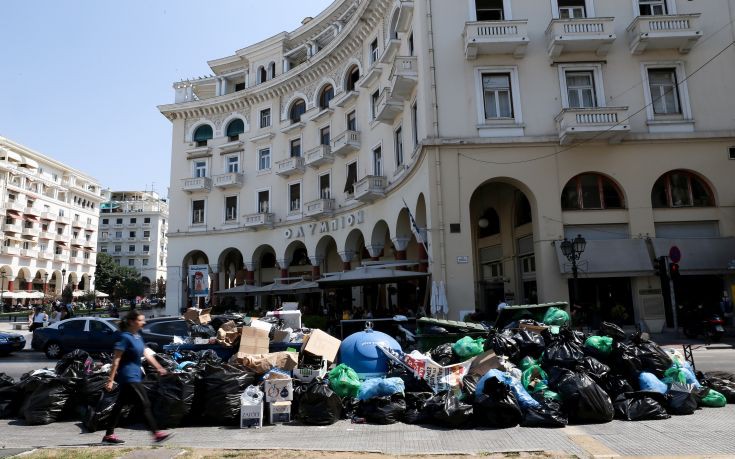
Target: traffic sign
674, 254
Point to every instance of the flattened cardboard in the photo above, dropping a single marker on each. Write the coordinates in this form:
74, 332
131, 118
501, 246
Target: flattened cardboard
321, 344
253, 341
198, 316
484, 363
262, 363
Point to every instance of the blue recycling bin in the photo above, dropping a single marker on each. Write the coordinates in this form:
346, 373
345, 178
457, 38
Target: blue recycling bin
359, 351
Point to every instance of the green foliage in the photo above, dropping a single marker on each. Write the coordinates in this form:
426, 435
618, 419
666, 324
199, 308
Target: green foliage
67, 295
118, 281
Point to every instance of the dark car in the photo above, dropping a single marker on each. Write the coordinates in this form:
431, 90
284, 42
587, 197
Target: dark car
89, 334
162, 330
11, 342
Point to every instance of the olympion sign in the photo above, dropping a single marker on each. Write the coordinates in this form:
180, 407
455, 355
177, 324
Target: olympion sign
327, 226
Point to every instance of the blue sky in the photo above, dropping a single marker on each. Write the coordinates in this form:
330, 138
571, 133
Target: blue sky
81, 79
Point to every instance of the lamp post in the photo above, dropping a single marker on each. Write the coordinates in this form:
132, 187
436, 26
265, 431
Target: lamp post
573, 251
2, 291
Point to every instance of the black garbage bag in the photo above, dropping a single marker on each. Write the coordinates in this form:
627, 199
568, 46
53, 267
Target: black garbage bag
615, 385
625, 360
47, 401
76, 364
410, 381
6, 381
443, 354
165, 360
469, 387
446, 409
497, 406
613, 331
383, 410
208, 356
562, 350
530, 343
503, 344
584, 400
596, 369
318, 404
174, 398
415, 404
683, 399
350, 406
11, 399
549, 414
221, 387
653, 359
641, 406
98, 415
202, 331
724, 386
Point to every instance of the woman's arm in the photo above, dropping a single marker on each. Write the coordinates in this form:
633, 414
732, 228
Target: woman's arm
150, 357
113, 371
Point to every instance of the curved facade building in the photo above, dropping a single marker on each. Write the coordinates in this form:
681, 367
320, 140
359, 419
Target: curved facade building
500, 126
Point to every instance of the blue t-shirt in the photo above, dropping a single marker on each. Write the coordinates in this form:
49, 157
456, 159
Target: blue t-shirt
132, 348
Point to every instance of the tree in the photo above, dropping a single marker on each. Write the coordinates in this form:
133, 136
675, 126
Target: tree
67, 295
118, 281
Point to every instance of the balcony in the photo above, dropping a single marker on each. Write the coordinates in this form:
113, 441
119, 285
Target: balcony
388, 107
62, 257
79, 259
29, 253
14, 205
31, 210
346, 143
319, 156
495, 37
77, 224
369, 188
10, 250
344, 99
319, 208
580, 35
404, 76
90, 227
675, 31
228, 180
259, 220
12, 228
61, 237
290, 166
63, 219
46, 235
48, 216
146, 225
31, 232
196, 184
391, 49
371, 76
198, 152
601, 123
45, 255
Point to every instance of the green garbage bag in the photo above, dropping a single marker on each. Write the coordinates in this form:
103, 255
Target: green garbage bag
534, 379
556, 316
468, 347
526, 363
674, 375
602, 344
713, 399
344, 381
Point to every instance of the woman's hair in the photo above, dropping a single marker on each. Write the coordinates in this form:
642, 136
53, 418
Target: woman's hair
129, 317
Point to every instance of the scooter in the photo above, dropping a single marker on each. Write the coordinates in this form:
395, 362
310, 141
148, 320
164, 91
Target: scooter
711, 328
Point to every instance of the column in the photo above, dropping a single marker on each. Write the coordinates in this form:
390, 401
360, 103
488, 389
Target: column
400, 243
29, 286
250, 273
10, 285
347, 257
315, 268
218, 86
374, 251
283, 264
423, 257
240, 277
75, 286
214, 288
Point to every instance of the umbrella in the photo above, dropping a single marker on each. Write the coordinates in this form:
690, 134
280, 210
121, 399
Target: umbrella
21, 295
36, 295
99, 294
368, 275
278, 288
243, 289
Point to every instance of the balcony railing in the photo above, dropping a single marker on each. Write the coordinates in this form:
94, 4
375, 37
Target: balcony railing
229, 180
46, 235
405, 13
14, 205
10, 250
600, 123
259, 220
388, 107
77, 259
12, 228
29, 253
345, 143
90, 226
674, 31
404, 76
370, 188
580, 35
195, 184
63, 219
77, 224
319, 155
31, 210
32, 232
48, 216
319, 208
63, 257
290, 166
46, 255
496, 37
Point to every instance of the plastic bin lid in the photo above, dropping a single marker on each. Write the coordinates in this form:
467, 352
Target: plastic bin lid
360, 352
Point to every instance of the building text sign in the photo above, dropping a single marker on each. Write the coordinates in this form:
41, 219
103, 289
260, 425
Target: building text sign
326, 226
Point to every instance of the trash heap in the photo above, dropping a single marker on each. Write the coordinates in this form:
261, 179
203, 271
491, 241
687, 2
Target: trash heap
532, 375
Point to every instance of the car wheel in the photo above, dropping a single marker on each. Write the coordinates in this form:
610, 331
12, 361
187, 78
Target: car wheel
53, 350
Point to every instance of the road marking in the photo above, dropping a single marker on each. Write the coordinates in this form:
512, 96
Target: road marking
589, 443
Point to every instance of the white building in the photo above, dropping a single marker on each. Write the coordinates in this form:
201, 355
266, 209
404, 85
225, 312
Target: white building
50, 214
133, 231
504, 125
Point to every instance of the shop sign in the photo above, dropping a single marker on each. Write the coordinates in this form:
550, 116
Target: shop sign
463, 260
326, 226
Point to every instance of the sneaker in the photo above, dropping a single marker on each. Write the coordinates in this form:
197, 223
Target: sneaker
160, 437
112, 440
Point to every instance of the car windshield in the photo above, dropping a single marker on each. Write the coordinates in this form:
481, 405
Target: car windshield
114, 322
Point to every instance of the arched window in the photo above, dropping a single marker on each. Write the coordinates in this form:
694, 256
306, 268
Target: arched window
352, 76
297, 109
235, 128
681, 189
202, 134
489, 223
262, 75
271, 70
325, 96
591, 191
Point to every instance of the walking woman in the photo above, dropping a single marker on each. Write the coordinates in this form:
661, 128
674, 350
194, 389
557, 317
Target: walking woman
126, 370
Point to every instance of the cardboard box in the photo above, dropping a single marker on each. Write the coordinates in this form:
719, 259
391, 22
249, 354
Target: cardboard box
321, 344
251, 415
278, 388
198, 316
253, 341
291, 319
279, 412
484, 363
262, 363
307, 375
280, 336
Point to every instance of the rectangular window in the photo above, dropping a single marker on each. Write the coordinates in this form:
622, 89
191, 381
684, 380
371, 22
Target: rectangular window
131, 262
146, 234
230, 208
145, 262
264, 159
398, 141
147, 220
410, 45
296, 148
489, 10
664, 91
146, 248
351, 177
119, 221
572, 9
197, 212
415, 123
264, 201
233, 164
325, 186
133, 220
131, 248
294, 197
324, 135
103, 235
200, 169
652, 7
105, 221
374, 104
374, 51
378, 161
132, 234
352, 121
103, 249
265, 118
497, 95
118, 234
118, 248
581, 89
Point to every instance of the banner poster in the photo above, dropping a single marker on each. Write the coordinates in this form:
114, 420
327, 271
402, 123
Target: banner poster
198, 280
438, 377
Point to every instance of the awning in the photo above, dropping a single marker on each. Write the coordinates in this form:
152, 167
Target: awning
29, 163
239, 290
61, 243
368, 275
699, 255
30, 218
610, 258
14, 213
10, 156
278, 288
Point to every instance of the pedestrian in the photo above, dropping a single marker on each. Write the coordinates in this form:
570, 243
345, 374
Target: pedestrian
69, 311
39, 317
126, 371
57, 315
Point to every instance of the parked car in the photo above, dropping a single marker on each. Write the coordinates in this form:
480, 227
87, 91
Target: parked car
162, 330
90, 334
11, 342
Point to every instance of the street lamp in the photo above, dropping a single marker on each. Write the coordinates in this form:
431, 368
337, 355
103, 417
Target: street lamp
573, 251
2, 291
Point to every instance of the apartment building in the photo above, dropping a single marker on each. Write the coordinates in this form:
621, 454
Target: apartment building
501, 127
133, 227
50, 213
